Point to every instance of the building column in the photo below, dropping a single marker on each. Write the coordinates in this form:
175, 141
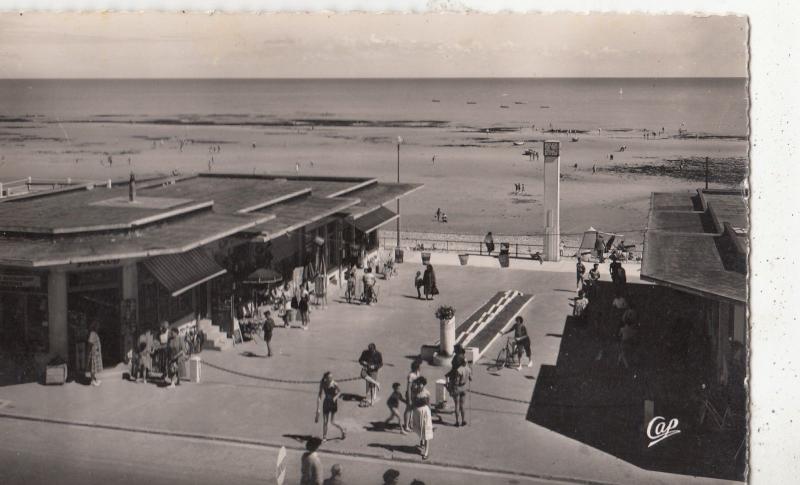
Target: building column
57, 313
552, 199
130, 291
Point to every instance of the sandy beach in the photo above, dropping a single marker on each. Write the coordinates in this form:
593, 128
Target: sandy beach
468, 171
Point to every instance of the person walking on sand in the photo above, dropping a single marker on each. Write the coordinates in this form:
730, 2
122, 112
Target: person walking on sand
328, 396
429, 283
310, 464
371, 362
422, 421
412, 376
489, 242
95, 354
522, 339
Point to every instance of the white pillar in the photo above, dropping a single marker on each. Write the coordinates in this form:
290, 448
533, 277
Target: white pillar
447, 336
57, 313
552, 199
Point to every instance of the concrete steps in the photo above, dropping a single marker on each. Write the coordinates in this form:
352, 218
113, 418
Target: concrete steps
215, 338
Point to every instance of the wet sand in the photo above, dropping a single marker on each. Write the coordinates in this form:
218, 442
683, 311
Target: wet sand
471, 178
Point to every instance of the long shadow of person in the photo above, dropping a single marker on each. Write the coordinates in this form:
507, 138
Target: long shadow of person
300, 438
408, 449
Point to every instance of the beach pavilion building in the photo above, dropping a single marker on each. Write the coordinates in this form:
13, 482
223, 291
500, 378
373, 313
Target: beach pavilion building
696, 244
130, 254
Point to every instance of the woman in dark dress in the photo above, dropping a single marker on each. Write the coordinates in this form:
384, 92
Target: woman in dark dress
329, 397
429, 283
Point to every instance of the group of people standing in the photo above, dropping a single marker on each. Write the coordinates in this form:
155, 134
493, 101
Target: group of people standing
623, 316
417, 416
290, 301
440, 215
361, 286
164, 353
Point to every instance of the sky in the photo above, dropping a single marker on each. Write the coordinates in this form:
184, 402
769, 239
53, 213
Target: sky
159, 45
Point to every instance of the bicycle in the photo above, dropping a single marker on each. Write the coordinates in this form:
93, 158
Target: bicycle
507, 357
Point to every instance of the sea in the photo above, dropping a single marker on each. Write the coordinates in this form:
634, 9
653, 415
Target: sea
714, 106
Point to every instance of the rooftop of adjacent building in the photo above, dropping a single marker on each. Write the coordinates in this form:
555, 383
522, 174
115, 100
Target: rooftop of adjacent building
175, 214
698, 242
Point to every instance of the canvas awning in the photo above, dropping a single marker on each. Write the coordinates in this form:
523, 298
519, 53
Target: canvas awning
182, 272
375, 219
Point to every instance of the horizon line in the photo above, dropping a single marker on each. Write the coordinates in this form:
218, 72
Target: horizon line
366, 78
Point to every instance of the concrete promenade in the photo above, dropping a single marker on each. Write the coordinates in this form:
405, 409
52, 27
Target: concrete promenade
249, 400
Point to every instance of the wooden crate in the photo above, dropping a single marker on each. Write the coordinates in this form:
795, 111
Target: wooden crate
55, 374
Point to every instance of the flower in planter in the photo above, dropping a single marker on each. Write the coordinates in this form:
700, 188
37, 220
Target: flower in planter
445, 312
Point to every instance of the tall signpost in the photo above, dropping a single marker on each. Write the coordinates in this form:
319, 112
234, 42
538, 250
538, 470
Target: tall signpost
552, 195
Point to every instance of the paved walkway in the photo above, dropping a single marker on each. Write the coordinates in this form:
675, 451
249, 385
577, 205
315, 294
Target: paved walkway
249, 399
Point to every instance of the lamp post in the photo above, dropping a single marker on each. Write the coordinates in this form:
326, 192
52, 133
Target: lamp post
399, 141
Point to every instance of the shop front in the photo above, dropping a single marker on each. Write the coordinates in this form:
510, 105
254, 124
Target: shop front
23, 311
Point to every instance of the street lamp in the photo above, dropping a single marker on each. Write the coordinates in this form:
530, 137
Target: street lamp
399, 142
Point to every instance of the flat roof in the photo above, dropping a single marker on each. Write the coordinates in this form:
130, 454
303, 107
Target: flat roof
690, 250
299, 212
376, 195
172, 237
174, 214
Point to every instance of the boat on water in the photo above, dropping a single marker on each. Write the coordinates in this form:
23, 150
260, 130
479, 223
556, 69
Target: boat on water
504, 106
544, 106
435, 101
519, 102
519, 143
471, 102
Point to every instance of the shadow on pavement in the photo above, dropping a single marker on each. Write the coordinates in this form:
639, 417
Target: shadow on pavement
590, 397
411, 450
300, 438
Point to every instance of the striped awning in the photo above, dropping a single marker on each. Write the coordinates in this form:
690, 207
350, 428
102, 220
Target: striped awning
182, 272
375, 219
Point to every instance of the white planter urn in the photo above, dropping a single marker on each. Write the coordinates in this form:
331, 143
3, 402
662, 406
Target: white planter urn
447, 336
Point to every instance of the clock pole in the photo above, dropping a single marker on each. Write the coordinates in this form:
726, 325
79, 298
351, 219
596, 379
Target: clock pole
552, 195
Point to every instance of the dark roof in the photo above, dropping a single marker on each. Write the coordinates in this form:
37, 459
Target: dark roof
375, 219
294, 214
686, 249
181, 272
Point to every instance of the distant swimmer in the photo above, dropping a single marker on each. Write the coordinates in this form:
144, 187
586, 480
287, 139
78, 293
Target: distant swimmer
576, 166
433, 160
311, 163
110, 161
594, 168
254, 146
297, 167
